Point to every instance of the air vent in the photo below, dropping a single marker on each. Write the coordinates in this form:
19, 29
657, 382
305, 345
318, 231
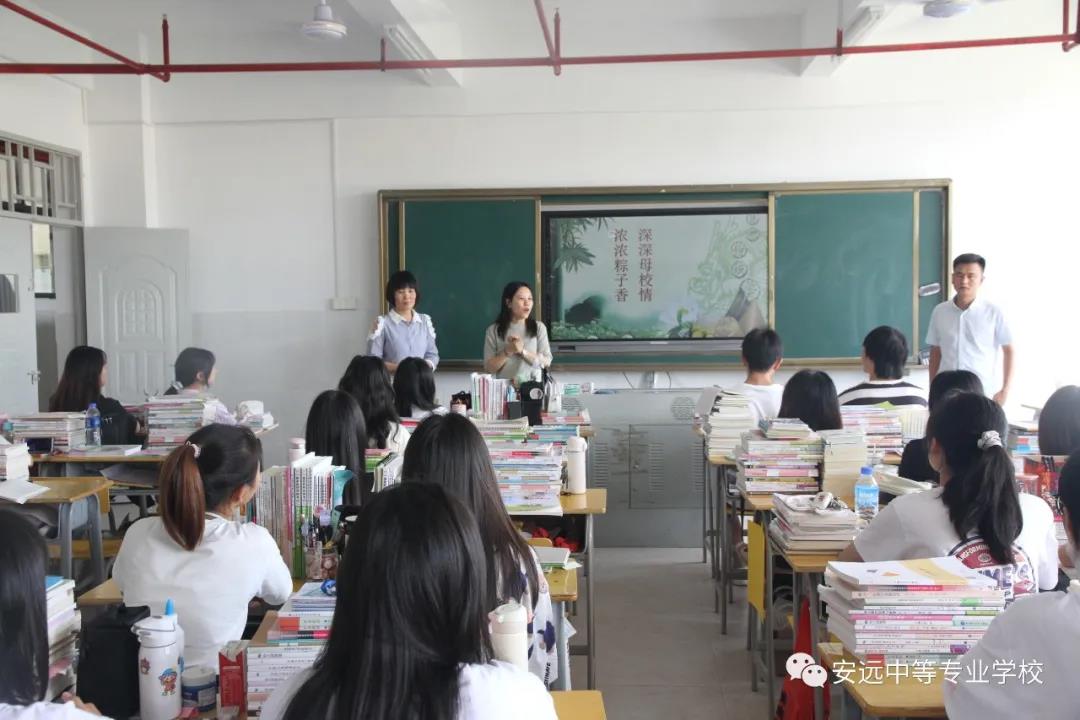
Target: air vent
683, 407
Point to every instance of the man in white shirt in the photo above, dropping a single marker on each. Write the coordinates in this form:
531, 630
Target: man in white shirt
762, 354
966, 332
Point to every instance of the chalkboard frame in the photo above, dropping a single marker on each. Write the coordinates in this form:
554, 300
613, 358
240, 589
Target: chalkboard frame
391, 200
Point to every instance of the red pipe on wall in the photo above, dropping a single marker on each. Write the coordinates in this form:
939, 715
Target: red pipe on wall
139, 67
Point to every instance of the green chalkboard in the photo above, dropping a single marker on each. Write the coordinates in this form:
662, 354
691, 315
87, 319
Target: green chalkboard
843, 266
932, 260
463, 252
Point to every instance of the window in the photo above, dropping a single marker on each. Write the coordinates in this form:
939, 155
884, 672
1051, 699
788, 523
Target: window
44, 277
39, 181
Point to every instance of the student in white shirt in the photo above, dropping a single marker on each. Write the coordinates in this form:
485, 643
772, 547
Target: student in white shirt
335, 428
1039, 629
977, 514
414, 390
449, 451
410, 636
24, 630
196, 371
762, 356
367, 379
195, 553
884, 355
965, 332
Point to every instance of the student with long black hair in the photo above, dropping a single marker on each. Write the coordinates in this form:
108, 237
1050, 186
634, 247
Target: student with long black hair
367, 380
977, 514
410, 639
414, 390
448, 450
810, 396
196, 552
335, 428
516, 345
24, 631
86, 372
1059, 422
196, 371
915, 462
1043, 628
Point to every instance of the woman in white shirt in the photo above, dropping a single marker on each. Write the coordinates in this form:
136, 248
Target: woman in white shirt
24, 630
196, 552
977, 514
196, 371
367, 379
1039, 630
414, 390
516, 345
449, 451
410, 636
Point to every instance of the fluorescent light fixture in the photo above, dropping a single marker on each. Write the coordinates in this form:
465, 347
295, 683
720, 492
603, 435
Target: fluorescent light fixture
946, 8
403, 40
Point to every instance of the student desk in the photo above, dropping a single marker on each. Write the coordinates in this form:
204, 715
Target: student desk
579, 705
592, 503
64, 493
905, 697
108, 593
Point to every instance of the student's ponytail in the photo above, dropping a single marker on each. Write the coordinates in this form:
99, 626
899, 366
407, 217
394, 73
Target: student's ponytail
202, 475
981, 492
182, 497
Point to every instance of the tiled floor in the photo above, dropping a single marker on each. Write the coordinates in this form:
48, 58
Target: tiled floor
660, 652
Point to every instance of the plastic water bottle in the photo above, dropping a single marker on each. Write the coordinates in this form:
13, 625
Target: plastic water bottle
866, 497
93, 426
509, 634
159, 668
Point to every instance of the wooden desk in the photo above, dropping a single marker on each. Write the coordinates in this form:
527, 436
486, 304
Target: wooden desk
579, 705
108, 593
562, 584
895, 697
64, 493
144, 457
593, 502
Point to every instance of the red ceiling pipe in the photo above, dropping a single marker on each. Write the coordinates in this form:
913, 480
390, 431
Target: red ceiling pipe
78, 38
552, 52
111, 69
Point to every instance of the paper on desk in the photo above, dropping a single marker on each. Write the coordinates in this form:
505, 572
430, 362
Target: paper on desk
19, 491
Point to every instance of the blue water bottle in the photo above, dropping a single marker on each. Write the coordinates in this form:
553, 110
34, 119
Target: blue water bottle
93, 426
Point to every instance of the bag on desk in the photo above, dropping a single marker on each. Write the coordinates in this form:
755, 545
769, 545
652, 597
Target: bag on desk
108, 663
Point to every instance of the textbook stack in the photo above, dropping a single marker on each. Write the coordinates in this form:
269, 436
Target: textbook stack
883, 429
556, 434
565, 418
64, 621
730, 416
845, 454
387, 471
529, 476
14, 461
291, 498
291, 645
931, 610
799, 528
503, 431
67, 430
489, 396
769, 466
1024, 438
170, 420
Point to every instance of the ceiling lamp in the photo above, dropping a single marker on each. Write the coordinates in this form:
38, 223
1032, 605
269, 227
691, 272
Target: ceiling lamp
324, 26
946, 8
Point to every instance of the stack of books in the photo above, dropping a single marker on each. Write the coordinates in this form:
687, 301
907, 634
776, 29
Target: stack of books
769, 466
845, 454
529, 476
489, 396
931, 610
1024, 437
387, 471
14, 461
505, 431
291, 644
66, 430
64, 623
882, 427
554, 434
786, 429
730, 416
800, 528
890, 482
566, 418
294, 497
171, 419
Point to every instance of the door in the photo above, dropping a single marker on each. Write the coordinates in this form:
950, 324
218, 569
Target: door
18, 328
137, 306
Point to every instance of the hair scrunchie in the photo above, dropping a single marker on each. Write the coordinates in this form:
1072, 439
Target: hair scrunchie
196, 449
989, 439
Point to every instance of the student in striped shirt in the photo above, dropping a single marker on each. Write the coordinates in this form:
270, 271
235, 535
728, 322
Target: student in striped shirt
885, 351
